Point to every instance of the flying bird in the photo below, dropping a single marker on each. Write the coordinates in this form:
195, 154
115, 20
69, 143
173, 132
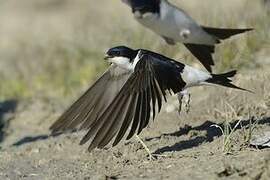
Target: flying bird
132, 89
175, 25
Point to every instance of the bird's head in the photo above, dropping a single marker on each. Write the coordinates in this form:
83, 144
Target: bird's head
120, 55
144, 6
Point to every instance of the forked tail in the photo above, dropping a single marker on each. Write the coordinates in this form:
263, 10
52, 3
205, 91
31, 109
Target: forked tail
224, 80
224, 33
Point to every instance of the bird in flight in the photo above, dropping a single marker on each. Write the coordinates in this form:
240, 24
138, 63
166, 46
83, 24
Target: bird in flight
130, 91
175, 25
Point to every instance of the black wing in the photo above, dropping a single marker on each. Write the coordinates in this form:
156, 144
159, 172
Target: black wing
88, 108
153, 77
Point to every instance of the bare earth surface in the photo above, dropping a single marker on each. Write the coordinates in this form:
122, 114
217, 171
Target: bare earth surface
186, 146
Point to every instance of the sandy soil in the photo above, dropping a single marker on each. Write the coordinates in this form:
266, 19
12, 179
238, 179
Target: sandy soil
187, 146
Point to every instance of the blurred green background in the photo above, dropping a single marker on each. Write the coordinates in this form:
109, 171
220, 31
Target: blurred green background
54, 48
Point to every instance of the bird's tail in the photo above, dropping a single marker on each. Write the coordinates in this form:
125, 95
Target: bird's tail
224, 80
224, 33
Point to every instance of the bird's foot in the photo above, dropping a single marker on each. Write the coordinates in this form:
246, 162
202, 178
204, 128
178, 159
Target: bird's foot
150, 155
184, 98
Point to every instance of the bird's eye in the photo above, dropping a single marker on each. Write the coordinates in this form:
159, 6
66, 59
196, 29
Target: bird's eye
117, 53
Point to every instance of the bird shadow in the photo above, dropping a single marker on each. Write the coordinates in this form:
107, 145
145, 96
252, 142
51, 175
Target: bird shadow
211, 134
31, 139
6, 107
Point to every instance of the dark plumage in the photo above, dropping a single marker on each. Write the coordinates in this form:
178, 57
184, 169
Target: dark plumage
175, 25
132, 88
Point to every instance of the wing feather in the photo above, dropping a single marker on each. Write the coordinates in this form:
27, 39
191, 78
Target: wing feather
118, 101
93, 102
127, 120
116, 124
106, 120
145, 86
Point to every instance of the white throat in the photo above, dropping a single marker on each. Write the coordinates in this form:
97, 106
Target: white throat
124, 62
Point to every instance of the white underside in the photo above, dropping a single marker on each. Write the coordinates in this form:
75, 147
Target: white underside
194, 77
175, 24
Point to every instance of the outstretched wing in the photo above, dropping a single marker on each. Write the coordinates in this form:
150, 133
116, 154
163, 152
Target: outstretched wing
152, 78
88, 108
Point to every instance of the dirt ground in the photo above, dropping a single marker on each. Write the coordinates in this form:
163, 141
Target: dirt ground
186, 146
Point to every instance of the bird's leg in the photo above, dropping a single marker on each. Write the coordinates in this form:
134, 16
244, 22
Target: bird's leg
151, 157
187, 102
180, 98
184, 98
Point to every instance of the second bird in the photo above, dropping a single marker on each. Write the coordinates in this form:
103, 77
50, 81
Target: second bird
175, 25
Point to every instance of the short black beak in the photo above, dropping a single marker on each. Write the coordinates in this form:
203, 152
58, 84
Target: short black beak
137, 9
140, 7
107, 57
